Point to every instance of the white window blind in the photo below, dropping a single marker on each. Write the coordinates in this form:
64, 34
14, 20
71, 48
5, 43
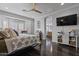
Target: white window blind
21, 25
5, 24
13, 24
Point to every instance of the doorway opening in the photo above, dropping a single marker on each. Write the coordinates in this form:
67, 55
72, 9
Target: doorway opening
48, 27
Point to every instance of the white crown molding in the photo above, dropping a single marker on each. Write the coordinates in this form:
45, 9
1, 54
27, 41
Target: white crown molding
13, 15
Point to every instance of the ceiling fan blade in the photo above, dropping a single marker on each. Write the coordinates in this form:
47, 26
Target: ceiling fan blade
33, 9
34, 6
37, 11
26, 10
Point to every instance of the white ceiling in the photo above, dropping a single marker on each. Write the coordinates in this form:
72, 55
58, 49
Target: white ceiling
43, 7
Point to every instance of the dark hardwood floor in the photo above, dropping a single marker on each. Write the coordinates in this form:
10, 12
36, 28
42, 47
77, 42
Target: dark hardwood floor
54, 49
47, 48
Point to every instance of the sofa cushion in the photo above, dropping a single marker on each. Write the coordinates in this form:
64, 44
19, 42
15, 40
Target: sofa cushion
11, 32
7, 34
4, 35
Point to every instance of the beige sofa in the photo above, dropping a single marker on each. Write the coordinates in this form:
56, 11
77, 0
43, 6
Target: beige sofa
10, 42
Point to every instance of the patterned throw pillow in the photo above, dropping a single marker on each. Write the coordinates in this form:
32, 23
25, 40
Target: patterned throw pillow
7, 34
0, 37
4, 35
11, 32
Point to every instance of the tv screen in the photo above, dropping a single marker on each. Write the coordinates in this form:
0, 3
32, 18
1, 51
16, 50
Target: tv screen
67, 20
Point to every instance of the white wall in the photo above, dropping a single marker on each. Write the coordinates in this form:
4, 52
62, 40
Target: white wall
56, 29
65, 29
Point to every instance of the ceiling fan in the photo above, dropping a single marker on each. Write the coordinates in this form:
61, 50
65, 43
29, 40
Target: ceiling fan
33, 9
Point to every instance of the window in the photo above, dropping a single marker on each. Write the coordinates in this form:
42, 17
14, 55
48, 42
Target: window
13, 24
5, 24
21, 26
18, 25
29, 26
0, 24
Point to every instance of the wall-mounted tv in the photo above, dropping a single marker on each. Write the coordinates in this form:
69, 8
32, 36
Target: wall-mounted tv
67, 20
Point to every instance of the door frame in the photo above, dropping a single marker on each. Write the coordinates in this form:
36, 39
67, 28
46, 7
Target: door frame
45, 25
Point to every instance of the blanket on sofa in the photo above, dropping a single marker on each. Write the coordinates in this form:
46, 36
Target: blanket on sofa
3, 47
20, 42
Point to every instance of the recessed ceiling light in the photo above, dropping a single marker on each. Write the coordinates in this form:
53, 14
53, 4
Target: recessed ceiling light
62, 3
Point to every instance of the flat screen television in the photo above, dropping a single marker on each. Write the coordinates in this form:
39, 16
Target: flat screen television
67, 20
